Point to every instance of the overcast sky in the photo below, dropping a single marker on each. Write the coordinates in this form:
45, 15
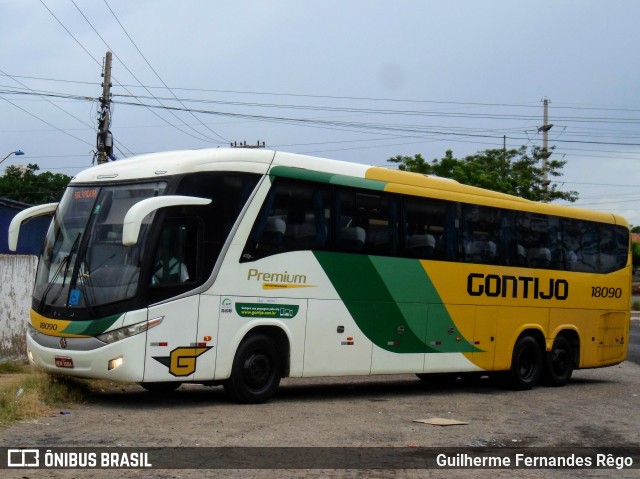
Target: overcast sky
356, 80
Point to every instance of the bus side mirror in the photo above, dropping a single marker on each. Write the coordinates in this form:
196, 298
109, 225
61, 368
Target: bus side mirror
24, 215
135, 215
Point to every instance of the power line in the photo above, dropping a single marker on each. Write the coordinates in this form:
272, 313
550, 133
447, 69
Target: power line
47, 100
424, 129
69, 32
121, 61
135, 77
360, 126
344, 126
44, 121
99, 64
338, 97
404, 112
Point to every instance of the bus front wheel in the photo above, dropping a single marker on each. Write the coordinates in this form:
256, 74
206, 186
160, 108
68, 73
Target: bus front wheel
526, 363
256, 371
558, 364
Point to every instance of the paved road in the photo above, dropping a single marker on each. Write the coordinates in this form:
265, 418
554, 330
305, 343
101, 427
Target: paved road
598, 408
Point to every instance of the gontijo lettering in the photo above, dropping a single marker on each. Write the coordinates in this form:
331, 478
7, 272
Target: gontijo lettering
494, 285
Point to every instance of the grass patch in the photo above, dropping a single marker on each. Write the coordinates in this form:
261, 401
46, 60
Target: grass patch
27, 393
11, 367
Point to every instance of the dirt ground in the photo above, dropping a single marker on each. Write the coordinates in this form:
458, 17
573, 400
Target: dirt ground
598, 408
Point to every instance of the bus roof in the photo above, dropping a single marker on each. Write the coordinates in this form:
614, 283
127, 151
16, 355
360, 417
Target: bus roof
262, 161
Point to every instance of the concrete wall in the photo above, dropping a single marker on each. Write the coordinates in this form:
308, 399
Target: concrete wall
17, 273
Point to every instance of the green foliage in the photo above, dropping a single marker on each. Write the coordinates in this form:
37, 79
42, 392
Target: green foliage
31, 187
515, 172
635, 254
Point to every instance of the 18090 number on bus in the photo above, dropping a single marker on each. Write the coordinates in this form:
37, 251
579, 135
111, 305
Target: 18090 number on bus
604, 292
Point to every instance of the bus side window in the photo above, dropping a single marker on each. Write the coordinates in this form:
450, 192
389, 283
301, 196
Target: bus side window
308, 218
367, 222
268, 231
569, 245
351, 231
295, 216
481, 234
591, 247
425, 228
582, 236
613, 248
536, 239
175, 261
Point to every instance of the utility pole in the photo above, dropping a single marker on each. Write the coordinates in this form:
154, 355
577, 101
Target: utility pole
104, 141
545, 142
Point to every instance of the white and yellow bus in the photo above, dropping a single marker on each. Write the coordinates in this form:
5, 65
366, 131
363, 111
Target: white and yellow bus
240, 267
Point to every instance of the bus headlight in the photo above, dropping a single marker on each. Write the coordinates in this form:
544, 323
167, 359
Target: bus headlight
31, 330
128, 331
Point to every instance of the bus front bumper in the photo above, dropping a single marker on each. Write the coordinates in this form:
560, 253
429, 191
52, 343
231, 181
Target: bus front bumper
88, 357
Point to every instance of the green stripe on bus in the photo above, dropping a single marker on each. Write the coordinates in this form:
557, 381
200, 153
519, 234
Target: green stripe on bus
92, 327
393, 302
320, 177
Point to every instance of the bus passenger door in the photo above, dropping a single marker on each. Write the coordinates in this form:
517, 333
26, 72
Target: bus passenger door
173, 353
173, 349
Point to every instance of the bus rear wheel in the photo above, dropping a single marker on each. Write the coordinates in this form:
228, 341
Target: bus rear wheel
256, 371
558, 364
526, 363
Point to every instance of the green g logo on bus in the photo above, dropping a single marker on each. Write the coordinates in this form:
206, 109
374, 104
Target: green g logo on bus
182, 361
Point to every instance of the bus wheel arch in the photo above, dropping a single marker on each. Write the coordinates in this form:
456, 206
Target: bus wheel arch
260, 361
560, 362
527, 360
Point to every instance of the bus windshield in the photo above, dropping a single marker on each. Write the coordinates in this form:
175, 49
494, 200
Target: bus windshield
84, 263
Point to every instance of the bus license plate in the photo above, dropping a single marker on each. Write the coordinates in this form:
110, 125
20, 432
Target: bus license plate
63, 362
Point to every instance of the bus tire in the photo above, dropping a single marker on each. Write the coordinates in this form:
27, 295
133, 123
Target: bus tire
526, 363
164, 387
256, 371
558, 363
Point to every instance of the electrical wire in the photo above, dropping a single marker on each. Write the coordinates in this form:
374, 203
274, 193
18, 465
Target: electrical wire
136, 78
45, 121
156, 73
99, 64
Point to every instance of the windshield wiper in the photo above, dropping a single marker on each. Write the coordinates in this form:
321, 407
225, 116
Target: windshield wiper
66, 261
80, 260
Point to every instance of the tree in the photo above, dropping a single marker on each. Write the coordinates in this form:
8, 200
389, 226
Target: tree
635, 254
28, 186
516, 172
